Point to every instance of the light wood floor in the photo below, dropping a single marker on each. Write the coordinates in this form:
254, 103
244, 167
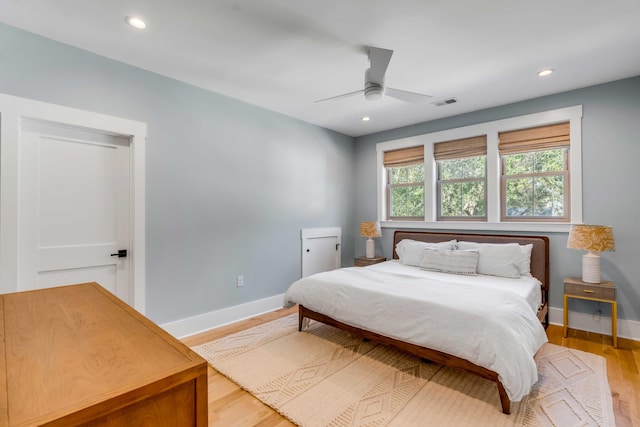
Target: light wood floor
231, 406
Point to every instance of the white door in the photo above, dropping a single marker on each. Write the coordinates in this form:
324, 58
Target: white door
74, 208
321, 250
72, 193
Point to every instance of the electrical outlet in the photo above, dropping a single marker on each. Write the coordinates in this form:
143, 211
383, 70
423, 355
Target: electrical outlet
240, 281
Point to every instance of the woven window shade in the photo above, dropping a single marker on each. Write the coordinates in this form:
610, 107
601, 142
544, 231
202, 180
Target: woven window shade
404, 157
532, 139
460, 148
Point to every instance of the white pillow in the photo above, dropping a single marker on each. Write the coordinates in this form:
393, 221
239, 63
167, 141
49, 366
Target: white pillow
525, 263
410, 251
497, 259
451, 261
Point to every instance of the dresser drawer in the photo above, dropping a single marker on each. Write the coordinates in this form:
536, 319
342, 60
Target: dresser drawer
591, 291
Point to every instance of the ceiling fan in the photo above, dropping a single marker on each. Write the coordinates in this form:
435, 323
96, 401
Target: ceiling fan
374, 87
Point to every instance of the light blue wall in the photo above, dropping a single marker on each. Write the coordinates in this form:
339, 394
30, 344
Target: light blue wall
229, 185
611, 175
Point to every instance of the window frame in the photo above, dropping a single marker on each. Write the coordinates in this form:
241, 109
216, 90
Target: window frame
404, 184
493, 208
566, 174
439, 182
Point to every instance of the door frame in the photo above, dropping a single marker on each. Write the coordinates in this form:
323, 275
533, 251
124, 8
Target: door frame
12, 110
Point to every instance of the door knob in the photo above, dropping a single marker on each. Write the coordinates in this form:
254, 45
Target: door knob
121, 253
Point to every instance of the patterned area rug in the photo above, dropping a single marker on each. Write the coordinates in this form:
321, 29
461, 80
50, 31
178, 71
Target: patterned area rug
326, 377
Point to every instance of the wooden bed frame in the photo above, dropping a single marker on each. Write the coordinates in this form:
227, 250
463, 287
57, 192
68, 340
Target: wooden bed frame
539, 269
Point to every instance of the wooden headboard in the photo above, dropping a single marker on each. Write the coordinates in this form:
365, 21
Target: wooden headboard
539, 253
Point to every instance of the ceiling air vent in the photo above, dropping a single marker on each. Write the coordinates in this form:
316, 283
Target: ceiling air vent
445, 102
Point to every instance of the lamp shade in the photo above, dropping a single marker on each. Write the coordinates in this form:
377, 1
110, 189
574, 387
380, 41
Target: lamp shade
592, 238
370, 229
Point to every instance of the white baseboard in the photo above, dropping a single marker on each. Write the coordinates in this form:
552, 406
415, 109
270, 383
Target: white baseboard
203, 322
213, 319
585, 322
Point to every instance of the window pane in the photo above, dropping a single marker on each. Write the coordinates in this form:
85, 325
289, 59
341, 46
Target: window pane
473, 199
549, 197
407, 201
466, 196
474, 167
398, 175
450, 169
451, 199
398, 204
415, 173
540, 196
460, 199
469, 167
407, 174
519, 197
519, 163
549, 161
415, 201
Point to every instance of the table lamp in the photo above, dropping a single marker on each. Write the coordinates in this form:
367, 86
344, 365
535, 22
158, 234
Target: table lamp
592, 238
370, 229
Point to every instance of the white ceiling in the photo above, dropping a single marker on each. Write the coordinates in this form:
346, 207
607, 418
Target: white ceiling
285, 54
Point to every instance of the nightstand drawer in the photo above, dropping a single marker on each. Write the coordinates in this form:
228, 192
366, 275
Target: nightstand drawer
590, 291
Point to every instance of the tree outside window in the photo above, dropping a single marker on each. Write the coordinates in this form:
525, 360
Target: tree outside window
406, 192
535, 184
462, 188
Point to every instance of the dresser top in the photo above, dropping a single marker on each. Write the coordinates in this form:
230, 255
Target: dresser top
71, 347
578, 281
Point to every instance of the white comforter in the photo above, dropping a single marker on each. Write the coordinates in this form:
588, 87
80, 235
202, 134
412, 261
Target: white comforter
489, 326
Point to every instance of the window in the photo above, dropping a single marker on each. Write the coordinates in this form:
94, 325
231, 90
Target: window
405, 183
520, 173
535, 174
461, 179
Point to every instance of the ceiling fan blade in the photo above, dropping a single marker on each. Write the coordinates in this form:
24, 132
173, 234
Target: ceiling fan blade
403, 95
344, 95
379, 60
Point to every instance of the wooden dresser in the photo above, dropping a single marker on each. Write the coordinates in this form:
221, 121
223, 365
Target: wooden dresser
77, 355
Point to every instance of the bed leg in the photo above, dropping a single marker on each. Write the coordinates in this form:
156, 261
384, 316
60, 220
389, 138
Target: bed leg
300, 319
504, 399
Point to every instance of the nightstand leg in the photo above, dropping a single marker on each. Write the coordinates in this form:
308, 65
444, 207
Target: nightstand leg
566, 316
614, 325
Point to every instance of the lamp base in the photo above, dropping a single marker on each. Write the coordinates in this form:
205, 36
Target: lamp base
591, 268
370, 249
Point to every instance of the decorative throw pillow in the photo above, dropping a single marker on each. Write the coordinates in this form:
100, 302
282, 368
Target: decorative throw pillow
410, 251
497, 259
451, 261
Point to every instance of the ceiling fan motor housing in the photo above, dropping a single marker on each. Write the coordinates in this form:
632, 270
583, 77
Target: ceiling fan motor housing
372, 91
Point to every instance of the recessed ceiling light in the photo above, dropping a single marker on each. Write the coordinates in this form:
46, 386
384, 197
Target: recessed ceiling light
545, 72
136, 22
366, 118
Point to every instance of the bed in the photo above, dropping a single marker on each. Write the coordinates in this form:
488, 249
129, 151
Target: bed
488, 330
